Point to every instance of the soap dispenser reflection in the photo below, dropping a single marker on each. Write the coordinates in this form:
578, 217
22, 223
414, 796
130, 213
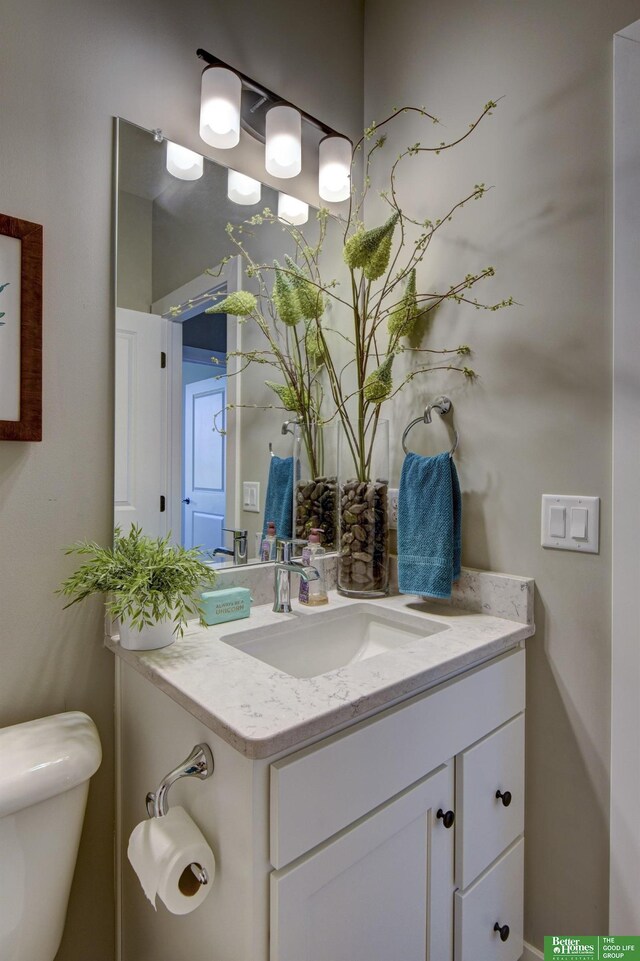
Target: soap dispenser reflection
313, 555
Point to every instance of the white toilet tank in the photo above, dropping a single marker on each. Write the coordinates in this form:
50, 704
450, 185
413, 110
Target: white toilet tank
45, 766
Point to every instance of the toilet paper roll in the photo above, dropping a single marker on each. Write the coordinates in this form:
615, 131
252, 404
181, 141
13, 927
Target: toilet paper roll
161, 852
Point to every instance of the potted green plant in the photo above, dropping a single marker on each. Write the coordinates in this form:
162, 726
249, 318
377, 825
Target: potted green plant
150, 585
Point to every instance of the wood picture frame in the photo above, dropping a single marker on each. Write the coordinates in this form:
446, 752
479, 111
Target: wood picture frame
20, 329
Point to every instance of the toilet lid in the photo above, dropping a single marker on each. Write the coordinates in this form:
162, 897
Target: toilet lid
42, 758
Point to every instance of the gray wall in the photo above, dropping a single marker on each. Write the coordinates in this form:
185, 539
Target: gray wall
67, 69
134, 252
539, 418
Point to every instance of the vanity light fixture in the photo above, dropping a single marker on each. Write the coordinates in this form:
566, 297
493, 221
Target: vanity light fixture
183, 163
242, 189
283, 142
220, 107
292, 211
231, 100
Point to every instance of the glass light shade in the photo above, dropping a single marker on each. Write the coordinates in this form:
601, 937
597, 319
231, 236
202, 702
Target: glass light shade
220, 107
183, 163
242, 189
291, 210
283, 143
334, 178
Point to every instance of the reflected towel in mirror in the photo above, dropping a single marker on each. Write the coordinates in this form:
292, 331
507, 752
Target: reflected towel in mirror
278, 506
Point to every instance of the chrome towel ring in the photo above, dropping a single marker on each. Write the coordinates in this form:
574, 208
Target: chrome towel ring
287, 428
443, 405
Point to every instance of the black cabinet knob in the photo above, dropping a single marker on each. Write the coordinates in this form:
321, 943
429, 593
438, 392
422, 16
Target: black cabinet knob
505, 798
186, 500
447, 817
502, 931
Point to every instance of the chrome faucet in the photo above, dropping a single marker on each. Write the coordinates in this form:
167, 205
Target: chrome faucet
284, 568
239, 552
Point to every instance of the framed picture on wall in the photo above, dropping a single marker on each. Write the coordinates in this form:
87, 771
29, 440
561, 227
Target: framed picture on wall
20, 329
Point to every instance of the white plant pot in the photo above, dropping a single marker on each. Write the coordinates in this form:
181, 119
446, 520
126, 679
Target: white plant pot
151, 638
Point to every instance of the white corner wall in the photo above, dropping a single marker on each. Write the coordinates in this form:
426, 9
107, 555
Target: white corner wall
624, 889
66, 69
539, 418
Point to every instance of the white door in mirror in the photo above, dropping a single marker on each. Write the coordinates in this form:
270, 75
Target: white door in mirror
204, 503
140, 446
571, 523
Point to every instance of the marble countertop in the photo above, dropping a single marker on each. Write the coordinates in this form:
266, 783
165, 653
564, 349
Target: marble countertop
262, 711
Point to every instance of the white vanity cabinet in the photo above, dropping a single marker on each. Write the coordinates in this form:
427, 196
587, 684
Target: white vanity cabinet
384, 841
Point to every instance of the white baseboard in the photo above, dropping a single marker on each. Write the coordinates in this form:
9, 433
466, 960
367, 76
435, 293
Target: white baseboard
531, 954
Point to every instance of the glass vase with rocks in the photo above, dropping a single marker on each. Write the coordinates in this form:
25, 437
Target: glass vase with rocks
314, 496
363, 560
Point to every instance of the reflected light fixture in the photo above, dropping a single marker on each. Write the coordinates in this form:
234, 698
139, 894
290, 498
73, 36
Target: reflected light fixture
242, 189
231, 100
220, 107
334, 175
292, 211
183, 163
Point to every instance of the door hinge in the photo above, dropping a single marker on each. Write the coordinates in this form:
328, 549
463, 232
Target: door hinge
163, 360
163, 504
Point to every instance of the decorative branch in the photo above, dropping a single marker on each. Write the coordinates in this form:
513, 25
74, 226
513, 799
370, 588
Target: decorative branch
381, 299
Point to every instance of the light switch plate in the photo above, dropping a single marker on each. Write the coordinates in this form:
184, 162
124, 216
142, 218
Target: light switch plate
571, 523
392, 502
251, 496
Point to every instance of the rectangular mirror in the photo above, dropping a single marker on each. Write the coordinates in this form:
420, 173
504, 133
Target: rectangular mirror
196, 426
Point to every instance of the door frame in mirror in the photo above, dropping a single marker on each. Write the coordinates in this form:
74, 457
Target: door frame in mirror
228, 281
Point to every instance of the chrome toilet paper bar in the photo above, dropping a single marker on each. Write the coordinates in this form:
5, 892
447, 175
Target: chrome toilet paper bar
199, 764
200, 873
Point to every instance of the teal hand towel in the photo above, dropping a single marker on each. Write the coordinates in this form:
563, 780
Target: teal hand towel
429, 525
278, 505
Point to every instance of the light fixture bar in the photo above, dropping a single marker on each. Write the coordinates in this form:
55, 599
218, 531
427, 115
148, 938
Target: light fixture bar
258, 88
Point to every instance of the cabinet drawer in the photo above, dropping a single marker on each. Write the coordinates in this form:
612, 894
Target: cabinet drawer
495, 898
320, 790
485, 826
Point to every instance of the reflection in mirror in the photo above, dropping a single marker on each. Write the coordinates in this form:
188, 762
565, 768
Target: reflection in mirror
200, 447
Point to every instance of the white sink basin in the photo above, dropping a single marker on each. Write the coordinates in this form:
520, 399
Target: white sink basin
324, 641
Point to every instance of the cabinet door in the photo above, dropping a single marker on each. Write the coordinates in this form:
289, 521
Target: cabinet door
380, 890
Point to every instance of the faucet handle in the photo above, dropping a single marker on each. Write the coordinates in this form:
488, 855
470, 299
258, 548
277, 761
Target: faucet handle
238, 535
284, 548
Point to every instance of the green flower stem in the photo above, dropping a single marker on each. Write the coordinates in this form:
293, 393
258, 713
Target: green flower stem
374, 430
368, 133
418, 252
306, 417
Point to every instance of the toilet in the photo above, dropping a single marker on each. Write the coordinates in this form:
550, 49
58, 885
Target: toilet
45, 766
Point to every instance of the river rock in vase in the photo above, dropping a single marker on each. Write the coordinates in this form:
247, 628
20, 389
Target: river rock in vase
363, 563
315, 506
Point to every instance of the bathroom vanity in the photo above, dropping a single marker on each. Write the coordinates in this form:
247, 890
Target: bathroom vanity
372, 812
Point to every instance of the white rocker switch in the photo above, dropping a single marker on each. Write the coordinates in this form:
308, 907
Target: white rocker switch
571, 523
557, 521
579, 517
251, 496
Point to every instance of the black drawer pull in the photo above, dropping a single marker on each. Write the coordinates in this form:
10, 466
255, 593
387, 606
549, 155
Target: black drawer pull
505, 798
503, 931
447, 817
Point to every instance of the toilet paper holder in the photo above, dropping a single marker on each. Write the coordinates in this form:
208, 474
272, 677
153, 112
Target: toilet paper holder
199, 764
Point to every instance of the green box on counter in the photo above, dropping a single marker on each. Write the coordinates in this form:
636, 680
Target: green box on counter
227, 604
